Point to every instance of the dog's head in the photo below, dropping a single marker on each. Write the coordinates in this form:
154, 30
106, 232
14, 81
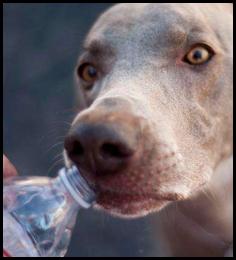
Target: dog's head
155, 90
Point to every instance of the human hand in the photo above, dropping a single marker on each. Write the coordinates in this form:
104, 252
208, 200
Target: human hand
8, 168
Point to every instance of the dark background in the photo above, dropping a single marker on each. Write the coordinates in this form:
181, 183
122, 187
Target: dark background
41, 43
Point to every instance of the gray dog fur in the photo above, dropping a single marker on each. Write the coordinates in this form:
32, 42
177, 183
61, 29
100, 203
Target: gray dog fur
181, 113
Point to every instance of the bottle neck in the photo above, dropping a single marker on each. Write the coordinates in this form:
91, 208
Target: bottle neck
77, 186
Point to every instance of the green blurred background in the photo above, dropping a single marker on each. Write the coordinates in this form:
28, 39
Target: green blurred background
41, 43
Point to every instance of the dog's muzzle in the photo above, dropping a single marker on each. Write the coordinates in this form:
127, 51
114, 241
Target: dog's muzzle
103, 140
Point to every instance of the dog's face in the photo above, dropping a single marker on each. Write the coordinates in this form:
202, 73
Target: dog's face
160, 76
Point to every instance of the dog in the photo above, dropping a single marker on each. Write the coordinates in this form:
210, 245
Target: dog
154, 127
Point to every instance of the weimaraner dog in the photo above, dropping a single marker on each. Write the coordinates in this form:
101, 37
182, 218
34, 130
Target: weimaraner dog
154, 126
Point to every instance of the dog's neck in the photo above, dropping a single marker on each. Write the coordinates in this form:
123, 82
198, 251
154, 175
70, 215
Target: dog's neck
204, 222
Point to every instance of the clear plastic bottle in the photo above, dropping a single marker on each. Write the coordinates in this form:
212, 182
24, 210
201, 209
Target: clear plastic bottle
39, 213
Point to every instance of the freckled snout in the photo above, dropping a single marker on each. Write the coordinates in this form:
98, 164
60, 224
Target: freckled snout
103, 142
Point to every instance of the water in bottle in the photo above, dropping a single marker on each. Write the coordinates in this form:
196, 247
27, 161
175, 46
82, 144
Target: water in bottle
39, 213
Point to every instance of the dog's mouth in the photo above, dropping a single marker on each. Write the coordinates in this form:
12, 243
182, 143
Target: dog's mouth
130, 205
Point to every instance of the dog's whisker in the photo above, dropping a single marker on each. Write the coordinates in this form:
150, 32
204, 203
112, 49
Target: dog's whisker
50, 134
209, 193
54, 146
54, 165
58, 155
61, 137
59, 124
66, 111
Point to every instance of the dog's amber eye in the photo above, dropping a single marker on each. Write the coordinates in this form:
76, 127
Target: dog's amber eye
87, 72
198, 55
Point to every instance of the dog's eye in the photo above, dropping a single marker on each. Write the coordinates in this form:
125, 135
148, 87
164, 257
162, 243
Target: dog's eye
198, 55
87, 72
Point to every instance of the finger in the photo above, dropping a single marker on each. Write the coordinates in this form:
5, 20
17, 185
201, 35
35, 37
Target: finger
8, 168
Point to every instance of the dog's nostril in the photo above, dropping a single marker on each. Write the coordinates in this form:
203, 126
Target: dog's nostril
111, 150
114, 150
76, 149
73, 147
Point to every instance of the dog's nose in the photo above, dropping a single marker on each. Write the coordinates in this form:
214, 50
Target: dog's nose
101, 147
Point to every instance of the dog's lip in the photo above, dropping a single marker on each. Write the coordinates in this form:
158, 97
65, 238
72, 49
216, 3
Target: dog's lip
129, 205
132, 196
110, 194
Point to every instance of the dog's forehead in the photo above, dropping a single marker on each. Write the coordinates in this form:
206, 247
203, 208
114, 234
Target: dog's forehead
123, 21
119, 22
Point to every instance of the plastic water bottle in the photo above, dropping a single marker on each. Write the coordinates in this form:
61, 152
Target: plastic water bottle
39, 213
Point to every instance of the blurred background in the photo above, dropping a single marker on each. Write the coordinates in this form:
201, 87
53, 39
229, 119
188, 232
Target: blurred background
41, 43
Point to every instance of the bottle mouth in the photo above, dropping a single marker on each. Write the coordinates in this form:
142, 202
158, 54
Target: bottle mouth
77, 186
